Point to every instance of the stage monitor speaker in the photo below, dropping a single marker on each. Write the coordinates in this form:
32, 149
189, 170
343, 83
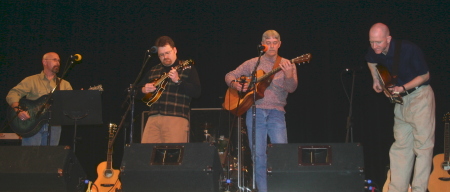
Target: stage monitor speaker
337, 167
40, 168
171, 167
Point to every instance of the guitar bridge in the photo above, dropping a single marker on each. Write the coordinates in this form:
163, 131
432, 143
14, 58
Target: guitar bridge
107, 185
444, 178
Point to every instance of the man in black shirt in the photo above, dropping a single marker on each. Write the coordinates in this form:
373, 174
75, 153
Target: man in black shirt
414, 120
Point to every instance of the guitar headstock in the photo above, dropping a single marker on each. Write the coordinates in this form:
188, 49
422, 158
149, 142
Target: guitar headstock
447, 117
112, 128
302, 58
186, 64
98, 88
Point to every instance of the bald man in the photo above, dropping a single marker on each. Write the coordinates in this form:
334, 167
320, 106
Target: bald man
32, 88
414, 120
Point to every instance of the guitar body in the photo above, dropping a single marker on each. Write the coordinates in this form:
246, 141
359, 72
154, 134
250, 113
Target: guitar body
238, 103
38, 116
385, 80
152, 97
439, 178
108, 179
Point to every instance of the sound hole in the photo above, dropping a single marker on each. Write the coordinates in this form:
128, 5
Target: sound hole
108, 173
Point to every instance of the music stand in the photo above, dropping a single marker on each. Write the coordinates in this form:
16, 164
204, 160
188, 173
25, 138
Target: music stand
76, 107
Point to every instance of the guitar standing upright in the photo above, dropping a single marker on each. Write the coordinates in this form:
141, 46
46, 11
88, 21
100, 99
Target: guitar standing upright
108, 178
440, 176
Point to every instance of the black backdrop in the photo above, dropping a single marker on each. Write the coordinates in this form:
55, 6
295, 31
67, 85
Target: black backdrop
112, 37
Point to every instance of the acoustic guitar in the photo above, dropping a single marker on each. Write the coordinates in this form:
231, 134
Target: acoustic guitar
108, 178
161, 83
37, 109
385, 80
239, 102
440, 176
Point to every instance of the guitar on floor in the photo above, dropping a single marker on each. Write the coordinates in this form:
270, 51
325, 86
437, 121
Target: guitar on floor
161, 83
108, 178
385, 79
234, 98
37, 109
440, 176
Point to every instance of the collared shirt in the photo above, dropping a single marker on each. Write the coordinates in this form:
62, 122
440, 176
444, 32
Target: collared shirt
276, 93
412, 61
33, 87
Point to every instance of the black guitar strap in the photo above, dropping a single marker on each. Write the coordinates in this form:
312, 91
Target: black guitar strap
57, 83
395, 65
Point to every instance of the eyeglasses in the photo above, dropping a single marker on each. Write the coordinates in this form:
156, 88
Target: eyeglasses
166, 53
55, 60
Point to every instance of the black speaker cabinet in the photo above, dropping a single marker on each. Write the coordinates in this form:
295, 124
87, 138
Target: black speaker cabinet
171, 167
337, 167
40, 168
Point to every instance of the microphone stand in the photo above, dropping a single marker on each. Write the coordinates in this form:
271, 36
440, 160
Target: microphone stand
349, 118
253, 85
49, 99
131, 96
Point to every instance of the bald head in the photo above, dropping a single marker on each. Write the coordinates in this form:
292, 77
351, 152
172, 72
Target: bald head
379, 28
50, 62
379, 38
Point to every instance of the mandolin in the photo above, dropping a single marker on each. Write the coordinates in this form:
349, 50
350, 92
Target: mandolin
161, 83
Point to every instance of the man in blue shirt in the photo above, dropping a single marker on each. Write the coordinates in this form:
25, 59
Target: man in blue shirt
414, 120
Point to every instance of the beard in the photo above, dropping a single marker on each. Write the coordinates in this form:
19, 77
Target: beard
55, 69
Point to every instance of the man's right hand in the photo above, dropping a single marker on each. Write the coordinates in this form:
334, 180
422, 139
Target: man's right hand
377, 87
238, 86
148, 88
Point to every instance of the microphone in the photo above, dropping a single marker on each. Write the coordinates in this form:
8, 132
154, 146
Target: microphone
353, 69
153, 50
262, 48
76, 57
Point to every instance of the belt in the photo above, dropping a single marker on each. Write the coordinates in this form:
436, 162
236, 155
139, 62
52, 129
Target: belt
407, 92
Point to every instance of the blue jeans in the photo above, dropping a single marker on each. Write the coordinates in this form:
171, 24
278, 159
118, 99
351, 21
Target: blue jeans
40, 138
268, 122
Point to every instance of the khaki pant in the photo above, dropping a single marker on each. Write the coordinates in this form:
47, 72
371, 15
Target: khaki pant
414, 141
165, 129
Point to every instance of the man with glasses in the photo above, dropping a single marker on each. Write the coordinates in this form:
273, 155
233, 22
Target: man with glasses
32, 88
169, 114
270, 120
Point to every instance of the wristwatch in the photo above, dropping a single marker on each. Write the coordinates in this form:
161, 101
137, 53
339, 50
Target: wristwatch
178, 82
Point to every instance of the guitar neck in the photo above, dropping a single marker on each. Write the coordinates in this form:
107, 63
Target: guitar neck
165, 76
446, 141
109, 159
265, 76
273, 71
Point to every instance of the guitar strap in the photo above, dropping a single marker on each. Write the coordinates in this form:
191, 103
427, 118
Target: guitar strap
395, 65
57, 84
277, 63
